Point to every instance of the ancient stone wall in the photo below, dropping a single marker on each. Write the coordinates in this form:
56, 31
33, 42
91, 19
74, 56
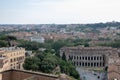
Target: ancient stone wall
26, 75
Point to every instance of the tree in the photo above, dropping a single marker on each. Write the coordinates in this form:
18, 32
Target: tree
29, 45
34, 67
69, 69
40, 56
47, 61
64, 57
3, 43
31, 63
8, 39
86, 45
58, 44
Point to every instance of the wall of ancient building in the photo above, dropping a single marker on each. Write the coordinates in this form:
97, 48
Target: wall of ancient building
89, 56
113, 76
114, 70
26, 75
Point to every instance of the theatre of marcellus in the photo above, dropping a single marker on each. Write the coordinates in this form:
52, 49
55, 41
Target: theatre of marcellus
95, 57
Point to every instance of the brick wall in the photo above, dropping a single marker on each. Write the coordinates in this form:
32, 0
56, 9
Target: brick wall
25, 75
113, 76
114, 71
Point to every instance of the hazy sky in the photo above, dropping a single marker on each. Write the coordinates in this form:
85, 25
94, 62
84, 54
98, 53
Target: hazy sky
58, 11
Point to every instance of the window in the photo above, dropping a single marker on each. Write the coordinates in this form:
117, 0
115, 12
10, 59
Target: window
80, 63
86, 58
86, 64
80, 57
10, 60
77, 57
14, 59
69, 56
83, 58
91, 58
91, 64
95, 58
74, 57
94, 64
97, 64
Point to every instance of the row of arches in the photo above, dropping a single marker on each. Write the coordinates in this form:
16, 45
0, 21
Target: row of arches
89, 64
86, 57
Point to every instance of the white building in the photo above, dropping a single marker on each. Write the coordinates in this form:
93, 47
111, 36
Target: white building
37, 39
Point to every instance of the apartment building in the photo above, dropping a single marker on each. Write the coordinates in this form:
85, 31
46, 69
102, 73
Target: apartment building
11, 58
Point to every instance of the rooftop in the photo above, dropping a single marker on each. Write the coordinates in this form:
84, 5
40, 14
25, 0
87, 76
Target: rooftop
15, 74
5, 49
88, 48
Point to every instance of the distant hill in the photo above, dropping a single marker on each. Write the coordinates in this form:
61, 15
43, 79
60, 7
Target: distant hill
102, 25
92, 25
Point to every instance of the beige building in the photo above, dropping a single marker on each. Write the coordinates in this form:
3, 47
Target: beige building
11, 58
89, 57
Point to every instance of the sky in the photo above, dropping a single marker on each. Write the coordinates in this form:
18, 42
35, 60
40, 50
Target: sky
58, 11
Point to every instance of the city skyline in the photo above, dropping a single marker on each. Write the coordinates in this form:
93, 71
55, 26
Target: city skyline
58, 11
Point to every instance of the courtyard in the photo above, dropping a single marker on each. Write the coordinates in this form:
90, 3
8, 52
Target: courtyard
91, 74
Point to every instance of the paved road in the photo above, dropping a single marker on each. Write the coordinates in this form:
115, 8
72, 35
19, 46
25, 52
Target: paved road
91, 75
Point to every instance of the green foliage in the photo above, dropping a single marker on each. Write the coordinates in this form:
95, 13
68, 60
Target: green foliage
69, 69
44, 62
103, 25
47, 62
29, 45
64, 57
69, 42
81, 42
50, 44
6, 40
3, 43
58, 44
40, 56
31, 63
104, 39
6, 37
86, 45
115, 44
